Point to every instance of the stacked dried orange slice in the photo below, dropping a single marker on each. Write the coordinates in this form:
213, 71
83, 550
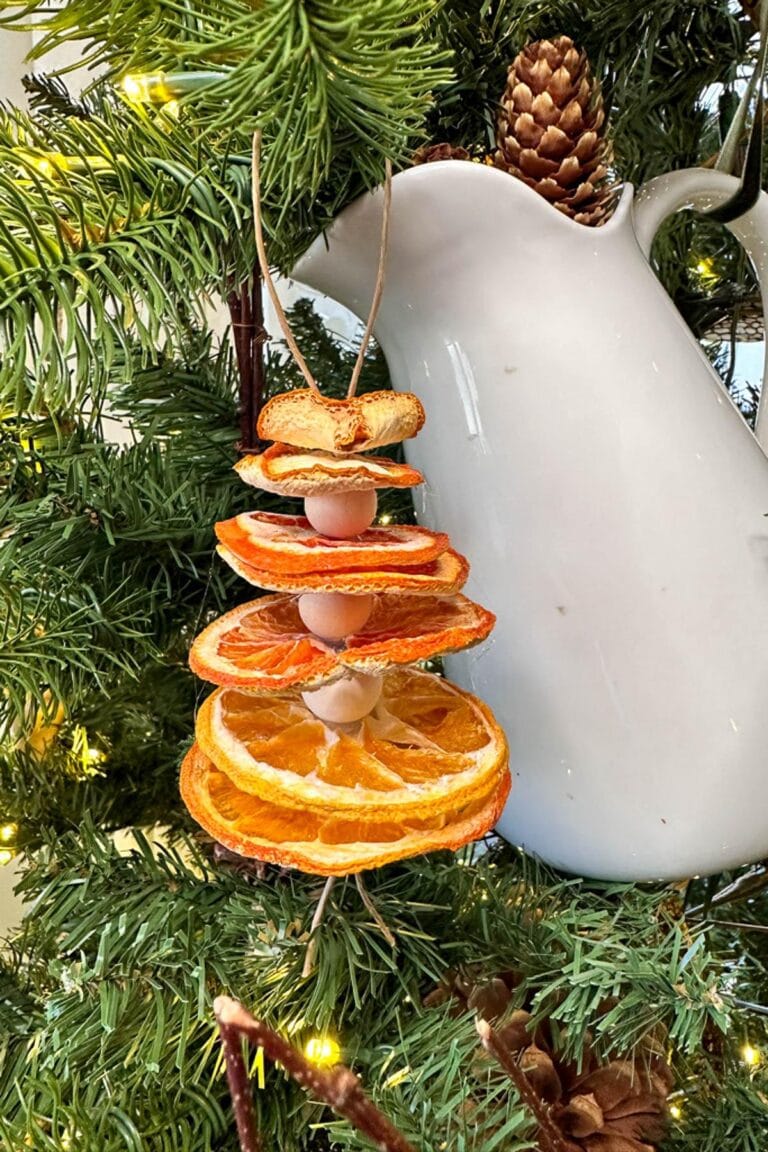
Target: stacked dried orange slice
323, 747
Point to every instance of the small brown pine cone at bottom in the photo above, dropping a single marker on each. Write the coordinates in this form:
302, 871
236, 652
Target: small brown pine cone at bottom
617, 1106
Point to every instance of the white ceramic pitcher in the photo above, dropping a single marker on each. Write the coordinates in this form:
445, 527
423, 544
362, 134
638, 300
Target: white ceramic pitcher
582, 453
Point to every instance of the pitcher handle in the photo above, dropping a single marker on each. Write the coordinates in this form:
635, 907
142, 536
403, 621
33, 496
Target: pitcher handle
704, 188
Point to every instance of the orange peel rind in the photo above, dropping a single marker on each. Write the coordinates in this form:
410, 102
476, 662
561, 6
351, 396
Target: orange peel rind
263, 646
290, 471
290, 544
446, 574
324, 844
426, 747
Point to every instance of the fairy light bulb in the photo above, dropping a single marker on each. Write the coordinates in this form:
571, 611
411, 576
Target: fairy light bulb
6, 855
323, 1051
675, 1111
750, 1055
8, 833
44, 166
137, 87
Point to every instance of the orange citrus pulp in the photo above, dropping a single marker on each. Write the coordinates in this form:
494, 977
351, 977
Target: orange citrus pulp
289, 544
446, 574
427, 747
326, 843
264, 646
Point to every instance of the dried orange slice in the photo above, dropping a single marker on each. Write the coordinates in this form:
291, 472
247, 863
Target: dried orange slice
325, 844
290, 544
427, 746
299, 472
448, 573
305, 418
263, 645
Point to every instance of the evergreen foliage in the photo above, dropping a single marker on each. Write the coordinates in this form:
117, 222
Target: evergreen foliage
125, 226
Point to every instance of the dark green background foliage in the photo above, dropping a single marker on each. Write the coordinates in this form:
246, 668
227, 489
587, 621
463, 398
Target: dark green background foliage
123, 226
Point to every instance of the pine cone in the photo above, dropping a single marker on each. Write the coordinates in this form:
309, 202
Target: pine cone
617, 1106
550, 130
430, 152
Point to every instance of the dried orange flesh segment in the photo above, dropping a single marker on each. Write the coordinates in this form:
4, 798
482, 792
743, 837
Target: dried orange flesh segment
293, 471
427, 746
403, 629
448, 573
263, 646
289, 544
326, 844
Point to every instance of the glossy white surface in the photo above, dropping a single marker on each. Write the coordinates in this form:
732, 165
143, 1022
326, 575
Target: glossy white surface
585, 457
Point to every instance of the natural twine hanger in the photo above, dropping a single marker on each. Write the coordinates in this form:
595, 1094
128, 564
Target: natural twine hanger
265, 272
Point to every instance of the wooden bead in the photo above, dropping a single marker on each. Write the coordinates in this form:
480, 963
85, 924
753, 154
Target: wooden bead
334, 615
345, 700
343, 514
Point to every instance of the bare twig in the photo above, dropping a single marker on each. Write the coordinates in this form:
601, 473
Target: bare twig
381, 924
379, 283
239, 1086
264, 265
309, 958
339, 1088
550, 1138
751, 8
246, 311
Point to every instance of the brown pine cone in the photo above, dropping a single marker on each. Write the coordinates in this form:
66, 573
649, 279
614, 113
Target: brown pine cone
551, 130
614, 1106
430, 152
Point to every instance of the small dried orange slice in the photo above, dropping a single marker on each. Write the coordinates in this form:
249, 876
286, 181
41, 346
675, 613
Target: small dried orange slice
448, 573
308, 420
325, 844
290, 544
264, 646
299, 472
426, 747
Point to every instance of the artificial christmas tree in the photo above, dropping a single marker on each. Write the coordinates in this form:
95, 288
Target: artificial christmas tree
125, 212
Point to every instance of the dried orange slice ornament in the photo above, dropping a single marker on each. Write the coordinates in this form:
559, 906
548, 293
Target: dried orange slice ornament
292, 471
323, 748
265, 645
425, 747
291, 545
326, 844
448, 573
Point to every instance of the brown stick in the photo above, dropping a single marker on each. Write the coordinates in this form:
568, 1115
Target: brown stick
550, 1138
378, 919
239, 1088
317, 919
249, 335
379, 283
751, 8
339, 1088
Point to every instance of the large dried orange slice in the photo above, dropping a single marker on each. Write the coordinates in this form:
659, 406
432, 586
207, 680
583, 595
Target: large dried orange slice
263, 645
426, 747
290, 544
325, 843
448, 573
299, 472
